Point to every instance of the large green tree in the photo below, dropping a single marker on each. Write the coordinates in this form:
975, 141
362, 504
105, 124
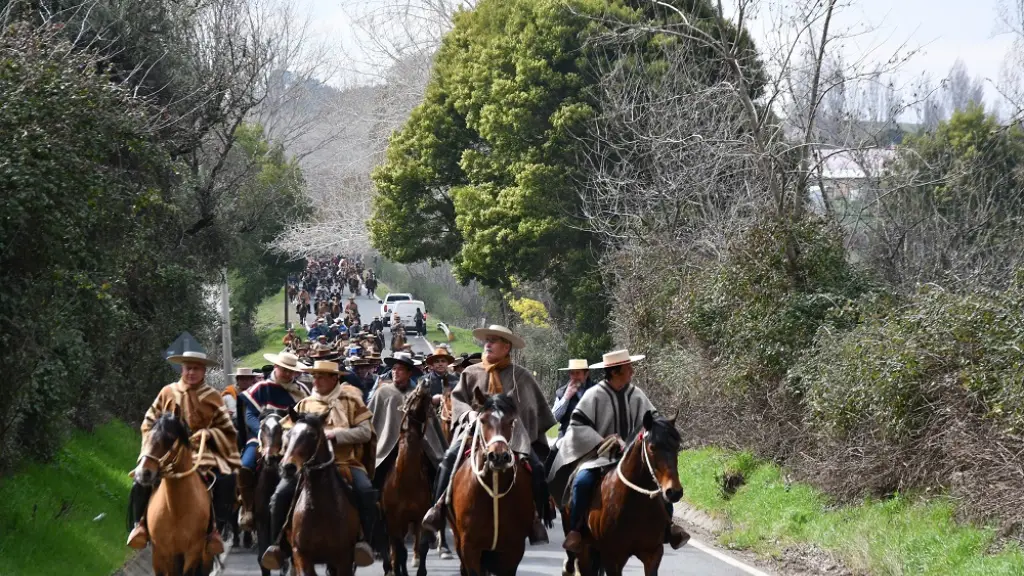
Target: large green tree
485, 172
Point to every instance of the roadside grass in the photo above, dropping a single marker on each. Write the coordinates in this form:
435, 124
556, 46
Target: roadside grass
271, 330
896, 536
68, 516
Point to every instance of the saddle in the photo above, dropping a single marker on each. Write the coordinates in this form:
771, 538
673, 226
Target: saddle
608, 448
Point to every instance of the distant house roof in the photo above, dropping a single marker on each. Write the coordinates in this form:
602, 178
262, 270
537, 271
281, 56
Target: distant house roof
853, 164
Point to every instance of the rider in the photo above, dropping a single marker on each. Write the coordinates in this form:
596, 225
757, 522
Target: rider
494, 375
352, 306
568, 396
386, 404
348, 427
202, 408
440, 378
608, 412
279, 392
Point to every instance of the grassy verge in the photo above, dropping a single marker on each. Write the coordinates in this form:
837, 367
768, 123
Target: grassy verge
270, 328
902, 535
68, 517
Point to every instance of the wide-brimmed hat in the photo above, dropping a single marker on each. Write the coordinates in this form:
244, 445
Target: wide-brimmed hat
285, 360
501, 332
360, 361
440, 353
465, 361
402, 358
325, 367
576, 364
617, 358
247, 372
190, 357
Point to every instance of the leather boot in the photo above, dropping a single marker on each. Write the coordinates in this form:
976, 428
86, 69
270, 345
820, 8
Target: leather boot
369, 517
538, 534
676, 536
573, 542
246, 488
139, 536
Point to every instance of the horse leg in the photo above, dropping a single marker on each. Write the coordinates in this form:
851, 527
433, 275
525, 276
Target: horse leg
398, 555
423, 549
300, 566
652, 560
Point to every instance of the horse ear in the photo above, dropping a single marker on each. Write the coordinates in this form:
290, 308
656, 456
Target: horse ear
673, 420
479, 399
648, 420
293, 415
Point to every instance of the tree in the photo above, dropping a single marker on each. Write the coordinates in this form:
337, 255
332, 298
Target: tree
962, 91
485, 173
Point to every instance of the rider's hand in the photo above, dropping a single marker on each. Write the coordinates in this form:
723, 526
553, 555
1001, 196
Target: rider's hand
571, 389
436, 400
329, 434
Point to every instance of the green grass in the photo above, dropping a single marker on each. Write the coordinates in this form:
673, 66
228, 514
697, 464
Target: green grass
897, 536
271, 330
47, 517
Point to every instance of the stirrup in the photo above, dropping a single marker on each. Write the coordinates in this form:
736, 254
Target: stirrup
363, 555
432, 519
271, 559
139, 537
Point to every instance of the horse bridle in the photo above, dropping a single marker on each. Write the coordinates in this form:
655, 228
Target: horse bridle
647, 461
478, 473
307, 467
165, 463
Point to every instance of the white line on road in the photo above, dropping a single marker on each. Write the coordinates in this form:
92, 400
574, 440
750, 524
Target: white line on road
726, 558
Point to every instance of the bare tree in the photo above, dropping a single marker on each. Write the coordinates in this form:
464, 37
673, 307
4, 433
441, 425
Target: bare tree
961, 90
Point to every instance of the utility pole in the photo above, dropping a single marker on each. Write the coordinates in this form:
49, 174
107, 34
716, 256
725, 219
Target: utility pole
225, 314
286, 301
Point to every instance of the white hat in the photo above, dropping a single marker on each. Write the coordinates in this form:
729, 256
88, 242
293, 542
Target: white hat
617, 358
190, 357
324, 367
576, 364
501, 332
285, 360
246, 372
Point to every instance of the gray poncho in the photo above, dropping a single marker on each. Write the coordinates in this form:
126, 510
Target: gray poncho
386, 405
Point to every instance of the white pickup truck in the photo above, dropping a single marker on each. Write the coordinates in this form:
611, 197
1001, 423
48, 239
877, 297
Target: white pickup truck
388, 303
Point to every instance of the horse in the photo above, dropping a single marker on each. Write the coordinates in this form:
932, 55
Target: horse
268, 477
444, 414
324, 523
627, 515
179, 513
492, 508
406, 495
397, 339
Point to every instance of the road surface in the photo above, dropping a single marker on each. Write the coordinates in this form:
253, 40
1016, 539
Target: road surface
370, 307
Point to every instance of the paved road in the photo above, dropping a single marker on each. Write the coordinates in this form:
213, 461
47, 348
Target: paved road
368, 308
539, 561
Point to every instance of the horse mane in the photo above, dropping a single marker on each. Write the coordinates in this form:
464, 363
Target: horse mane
663, 434
171, 424
500, 403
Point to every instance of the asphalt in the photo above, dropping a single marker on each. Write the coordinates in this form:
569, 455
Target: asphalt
370, 307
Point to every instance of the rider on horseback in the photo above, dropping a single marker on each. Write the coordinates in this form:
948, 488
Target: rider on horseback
279, 392
348, 427
202, 408
607, 413
496, 374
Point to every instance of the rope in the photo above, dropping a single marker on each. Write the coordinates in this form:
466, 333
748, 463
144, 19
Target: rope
478, 473
167, 470
618, 470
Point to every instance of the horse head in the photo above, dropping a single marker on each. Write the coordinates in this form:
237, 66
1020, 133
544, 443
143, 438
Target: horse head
417, 409
661, 442
306, 441
271, 433
495, 420
166, 438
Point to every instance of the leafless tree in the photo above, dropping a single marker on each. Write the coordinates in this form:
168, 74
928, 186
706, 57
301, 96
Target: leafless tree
961, 90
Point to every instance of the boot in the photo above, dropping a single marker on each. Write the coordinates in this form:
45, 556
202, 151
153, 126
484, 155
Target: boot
573, 542
676, 536
139, 536
246, 487
433, 520
368, 517
271, 559
538, 534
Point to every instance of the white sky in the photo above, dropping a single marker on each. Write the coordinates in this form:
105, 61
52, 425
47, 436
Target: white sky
944, 30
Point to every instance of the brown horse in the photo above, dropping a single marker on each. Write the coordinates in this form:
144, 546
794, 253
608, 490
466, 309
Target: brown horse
444, 413
267, 479
492, 499
178, 514
627, 514
406, 496
324, 523
397, 339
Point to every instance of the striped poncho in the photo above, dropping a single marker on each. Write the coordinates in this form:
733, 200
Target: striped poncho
203, 410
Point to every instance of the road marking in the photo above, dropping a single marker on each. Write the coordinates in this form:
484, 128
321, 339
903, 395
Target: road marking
726, 558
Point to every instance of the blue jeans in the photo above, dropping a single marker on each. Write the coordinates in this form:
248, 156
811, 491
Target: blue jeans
250, 455
582, 492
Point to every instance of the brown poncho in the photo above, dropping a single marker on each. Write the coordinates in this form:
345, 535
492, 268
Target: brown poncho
202, 409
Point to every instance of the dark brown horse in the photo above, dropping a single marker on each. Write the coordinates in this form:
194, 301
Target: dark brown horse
268, 477
406, 496
324, 523
627, 514
492, 499
444, 413
178, 514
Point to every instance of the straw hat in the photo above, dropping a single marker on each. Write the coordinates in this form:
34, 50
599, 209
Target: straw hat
501, 332
190, 357
576, 364
439, 354
285, 360
617, 358
247, 372
324, 367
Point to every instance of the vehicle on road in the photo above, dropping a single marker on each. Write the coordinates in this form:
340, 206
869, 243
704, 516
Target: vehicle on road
406, 310
387, 304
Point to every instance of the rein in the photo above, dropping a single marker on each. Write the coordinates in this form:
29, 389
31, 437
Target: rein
307, 467
647, 461
478, 473
166, 463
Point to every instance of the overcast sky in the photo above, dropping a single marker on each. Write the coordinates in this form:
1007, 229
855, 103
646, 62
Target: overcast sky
944, 30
